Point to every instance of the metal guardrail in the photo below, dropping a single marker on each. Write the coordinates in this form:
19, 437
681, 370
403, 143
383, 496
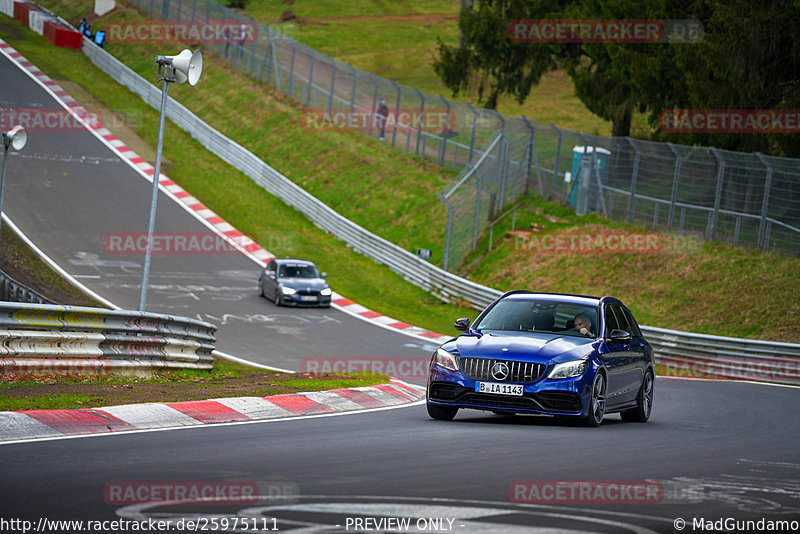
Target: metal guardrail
13, 291
44, 339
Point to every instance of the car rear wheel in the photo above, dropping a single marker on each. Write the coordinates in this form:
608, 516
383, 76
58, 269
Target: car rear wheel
644, 402
442, 413
597, 402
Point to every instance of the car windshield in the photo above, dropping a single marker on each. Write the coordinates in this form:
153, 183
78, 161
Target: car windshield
550, 317
298, 271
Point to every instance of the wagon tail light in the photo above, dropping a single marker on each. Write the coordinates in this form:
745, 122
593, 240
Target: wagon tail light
445, 360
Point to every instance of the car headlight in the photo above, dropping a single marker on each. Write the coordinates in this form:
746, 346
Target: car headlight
325, 292
288, 290
444, 359
569, 369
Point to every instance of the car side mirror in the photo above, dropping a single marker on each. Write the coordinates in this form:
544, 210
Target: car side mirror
271, 275
620, 336
461, 324
323, 275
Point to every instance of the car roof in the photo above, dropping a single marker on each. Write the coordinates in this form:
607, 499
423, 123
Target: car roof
558, 297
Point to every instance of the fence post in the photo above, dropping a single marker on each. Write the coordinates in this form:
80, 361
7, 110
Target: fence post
472, 135
445, 133
676, 176
449, 228
333, 85
419, 120
396, 110
763, 242
532, 157
634, 179
353, 92
374, 107
582, 204
291, 68
477, 209
558, 156
310, 84
194, 8
502, 162
711, 229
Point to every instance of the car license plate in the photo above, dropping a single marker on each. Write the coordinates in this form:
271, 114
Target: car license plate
309, 298
499, 389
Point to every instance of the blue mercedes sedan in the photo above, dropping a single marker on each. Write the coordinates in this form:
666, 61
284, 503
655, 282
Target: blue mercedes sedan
543, 353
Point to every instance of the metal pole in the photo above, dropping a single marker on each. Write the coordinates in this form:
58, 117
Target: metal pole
353, 91
333, 84
291, 69
532, 158
472, 136
558, 159
152, 224
676, 176
396, 111
445, 132
420, 119
447, 232
634, 179
711, 228
3, 179
310, 78
374, 107
762, 226
502, 162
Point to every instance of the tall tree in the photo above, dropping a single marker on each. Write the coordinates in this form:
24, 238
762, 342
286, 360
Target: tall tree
487, 62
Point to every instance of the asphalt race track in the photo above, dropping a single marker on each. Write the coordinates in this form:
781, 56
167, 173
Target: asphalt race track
719, 451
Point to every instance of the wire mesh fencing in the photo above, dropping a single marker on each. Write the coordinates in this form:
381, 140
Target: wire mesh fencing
743, 199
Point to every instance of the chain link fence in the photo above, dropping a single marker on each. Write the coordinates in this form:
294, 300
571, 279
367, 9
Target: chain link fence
743, 199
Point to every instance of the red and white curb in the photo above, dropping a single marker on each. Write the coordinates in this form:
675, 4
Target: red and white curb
224, 229
41, 424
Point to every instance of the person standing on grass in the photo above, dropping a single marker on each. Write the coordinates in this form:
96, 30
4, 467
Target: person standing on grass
383, 114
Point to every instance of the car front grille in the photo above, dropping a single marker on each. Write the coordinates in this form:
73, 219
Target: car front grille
307, 292
481, 369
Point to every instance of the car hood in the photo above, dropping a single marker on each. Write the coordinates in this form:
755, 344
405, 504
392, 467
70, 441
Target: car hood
303, 283
539, 348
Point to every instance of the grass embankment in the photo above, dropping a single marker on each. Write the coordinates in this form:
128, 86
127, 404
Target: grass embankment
696, 286
227, 379
397, 40
22, 264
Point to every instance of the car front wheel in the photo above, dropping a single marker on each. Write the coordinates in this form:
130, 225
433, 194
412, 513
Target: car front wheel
277, 298
644, 402
442, 413
597, 402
